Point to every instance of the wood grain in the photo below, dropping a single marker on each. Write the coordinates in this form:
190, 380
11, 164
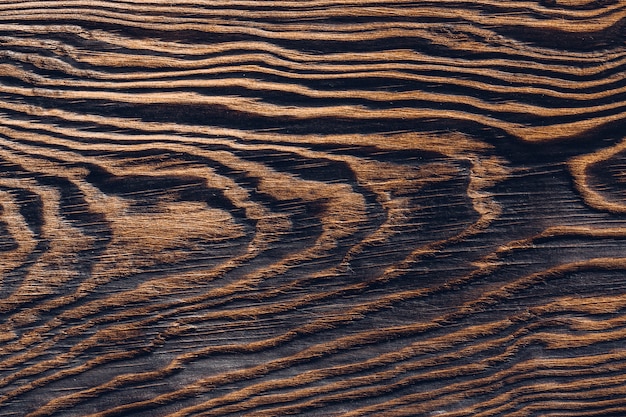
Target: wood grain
322, 208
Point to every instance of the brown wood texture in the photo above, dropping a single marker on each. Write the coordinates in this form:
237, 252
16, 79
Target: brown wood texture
313, 208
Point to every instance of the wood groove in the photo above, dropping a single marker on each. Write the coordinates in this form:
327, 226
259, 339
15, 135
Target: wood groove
324, 208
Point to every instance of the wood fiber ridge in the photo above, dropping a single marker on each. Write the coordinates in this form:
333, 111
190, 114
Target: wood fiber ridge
314, 208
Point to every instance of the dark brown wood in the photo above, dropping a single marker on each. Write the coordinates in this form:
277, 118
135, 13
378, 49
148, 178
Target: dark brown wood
314, 208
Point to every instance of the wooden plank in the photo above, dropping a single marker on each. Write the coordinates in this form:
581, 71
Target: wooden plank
324, 208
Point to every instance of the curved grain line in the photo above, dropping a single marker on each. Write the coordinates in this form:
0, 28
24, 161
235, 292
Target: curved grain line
134, 147
330, 228
49, 272
428, 401
295, 60
163, 23
579, 166
386, 70
253, 106
249, 397
312, 9
259, 85
435, 33
18, 229
341, 343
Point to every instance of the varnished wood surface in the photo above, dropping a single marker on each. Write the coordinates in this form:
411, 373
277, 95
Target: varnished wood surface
314, 208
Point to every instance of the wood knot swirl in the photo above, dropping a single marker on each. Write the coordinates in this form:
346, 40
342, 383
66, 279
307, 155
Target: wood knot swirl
323, 208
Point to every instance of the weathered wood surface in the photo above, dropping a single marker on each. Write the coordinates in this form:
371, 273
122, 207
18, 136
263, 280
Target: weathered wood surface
317, 208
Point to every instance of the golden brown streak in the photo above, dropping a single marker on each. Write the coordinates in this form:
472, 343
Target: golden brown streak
320, 3
538, 394
587, 412
18, 229
56, 265
382, 96
253, 84
602, 58
580, 165
563, 231
253, 106
324, 325
355, 9
451, 144
265, 219
588, 21
372, 31
553, 367
397, 178
364, 171
429, 401
390, 71
522, 412
483, 365
340, 344
322, 241
249, 397
384, 70
461, 337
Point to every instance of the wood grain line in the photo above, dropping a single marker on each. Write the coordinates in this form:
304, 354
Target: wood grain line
325, 208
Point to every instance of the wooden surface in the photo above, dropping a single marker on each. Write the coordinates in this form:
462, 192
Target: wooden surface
314, 208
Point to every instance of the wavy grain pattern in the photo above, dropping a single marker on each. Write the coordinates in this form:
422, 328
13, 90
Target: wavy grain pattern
324, 208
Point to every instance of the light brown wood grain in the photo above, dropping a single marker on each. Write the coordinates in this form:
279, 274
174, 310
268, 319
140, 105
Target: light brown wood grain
325, 208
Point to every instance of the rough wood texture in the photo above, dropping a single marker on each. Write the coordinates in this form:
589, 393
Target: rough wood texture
315, 208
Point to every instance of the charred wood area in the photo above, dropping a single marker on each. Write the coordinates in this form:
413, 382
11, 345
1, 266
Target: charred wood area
317, 208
